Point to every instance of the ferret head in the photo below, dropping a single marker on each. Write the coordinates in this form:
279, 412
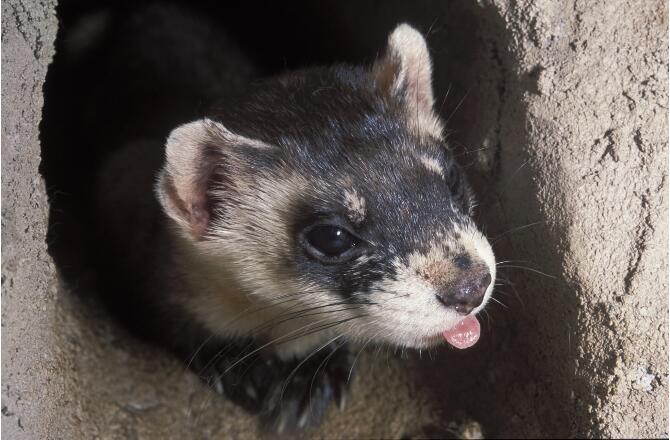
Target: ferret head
335, 188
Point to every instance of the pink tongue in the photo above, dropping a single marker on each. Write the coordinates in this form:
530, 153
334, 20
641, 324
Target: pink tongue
464, 334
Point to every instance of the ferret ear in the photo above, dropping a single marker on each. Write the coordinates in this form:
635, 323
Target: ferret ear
405, 73
200, 157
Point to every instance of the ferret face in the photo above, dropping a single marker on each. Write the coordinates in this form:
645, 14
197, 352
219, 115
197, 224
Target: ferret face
390, 232
334, 188
386, 231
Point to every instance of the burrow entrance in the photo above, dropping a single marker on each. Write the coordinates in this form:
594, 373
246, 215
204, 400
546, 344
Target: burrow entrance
94, 99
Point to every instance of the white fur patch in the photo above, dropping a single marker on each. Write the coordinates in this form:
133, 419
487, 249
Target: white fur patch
432, 164
355, 205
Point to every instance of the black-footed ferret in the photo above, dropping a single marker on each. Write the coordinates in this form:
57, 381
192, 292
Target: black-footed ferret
318, 207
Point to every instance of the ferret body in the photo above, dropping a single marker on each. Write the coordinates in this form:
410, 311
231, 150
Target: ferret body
315, 208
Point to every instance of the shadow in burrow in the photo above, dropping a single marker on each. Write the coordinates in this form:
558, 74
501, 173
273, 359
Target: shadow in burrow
520, 378
511, 382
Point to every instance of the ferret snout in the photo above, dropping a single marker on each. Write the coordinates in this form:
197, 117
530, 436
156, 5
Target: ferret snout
467, 291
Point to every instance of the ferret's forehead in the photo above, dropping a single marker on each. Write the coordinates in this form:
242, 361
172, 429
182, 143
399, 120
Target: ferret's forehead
368, 148
383, 172
402, 198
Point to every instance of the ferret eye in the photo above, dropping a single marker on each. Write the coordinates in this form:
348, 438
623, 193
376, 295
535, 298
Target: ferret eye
330, 240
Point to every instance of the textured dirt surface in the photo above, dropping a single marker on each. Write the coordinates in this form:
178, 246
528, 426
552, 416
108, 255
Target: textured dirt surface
32, 374
564, 128
582, 143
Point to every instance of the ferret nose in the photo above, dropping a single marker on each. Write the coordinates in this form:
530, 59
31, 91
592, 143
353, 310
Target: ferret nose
467, 293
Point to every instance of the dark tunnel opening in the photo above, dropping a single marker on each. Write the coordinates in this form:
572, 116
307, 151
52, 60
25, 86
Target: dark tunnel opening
96, 98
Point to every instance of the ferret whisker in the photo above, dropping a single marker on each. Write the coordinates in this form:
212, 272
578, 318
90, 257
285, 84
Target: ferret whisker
458, 106
511, 178
302, 314
468, 151
511, 261
288, 314
530, 269
321, 328
321, 365
272, 325
242, 314
226, 347
267, 344
251, 310
513, 230
515, 290
359, 353
499, 302
444, 99
488, 317
308, 357
285, 317
195, 353
516, 296
265, 325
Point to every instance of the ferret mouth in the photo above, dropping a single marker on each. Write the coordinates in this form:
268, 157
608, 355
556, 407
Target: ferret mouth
464, 334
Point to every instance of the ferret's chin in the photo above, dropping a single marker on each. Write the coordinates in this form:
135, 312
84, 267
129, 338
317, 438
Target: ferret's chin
420, 342
430, 341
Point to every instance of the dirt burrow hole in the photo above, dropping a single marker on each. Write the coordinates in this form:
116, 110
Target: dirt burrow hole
91, 95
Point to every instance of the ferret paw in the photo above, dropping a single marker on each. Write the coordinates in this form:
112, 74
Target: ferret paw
287, 395
237, 371
302, 395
